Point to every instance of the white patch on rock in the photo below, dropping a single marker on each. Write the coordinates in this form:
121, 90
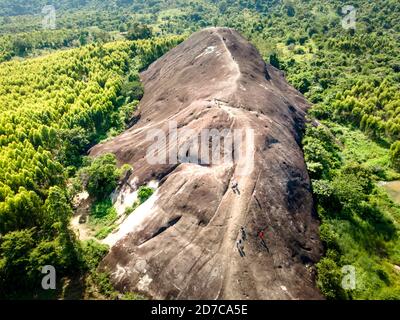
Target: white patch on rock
153, 184
144, 283
208, 50
265, 87
127, 197
134, 221
141, 266
119, 273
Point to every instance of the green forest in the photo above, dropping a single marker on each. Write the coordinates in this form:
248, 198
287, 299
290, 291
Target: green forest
53, 108
66, 89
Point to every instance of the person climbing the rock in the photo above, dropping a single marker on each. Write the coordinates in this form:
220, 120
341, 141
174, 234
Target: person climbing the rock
235, 187
240, 246
263, 243
243, 232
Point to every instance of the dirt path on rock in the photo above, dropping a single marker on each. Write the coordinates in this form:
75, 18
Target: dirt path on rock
236, 204
234, 65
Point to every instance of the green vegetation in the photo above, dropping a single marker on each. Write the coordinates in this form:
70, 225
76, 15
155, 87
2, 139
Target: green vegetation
359, 221
103, 215
395, 155
102, 218
97, 284
144, 193
132, 208
139, 31
101, 176
52, 110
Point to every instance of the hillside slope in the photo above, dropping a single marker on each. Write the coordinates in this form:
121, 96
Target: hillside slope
183, 245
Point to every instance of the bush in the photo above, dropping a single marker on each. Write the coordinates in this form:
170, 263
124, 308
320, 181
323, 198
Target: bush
104, 232
320, 152
389, 294
329, 279
291, 12
132, 90
144, 193
129, 210
102, 176
75, 142
103, 213
139, 31
329, 236
103, 282
395, 155
92, 253
348, 190
14, 252
274, 61
299, 51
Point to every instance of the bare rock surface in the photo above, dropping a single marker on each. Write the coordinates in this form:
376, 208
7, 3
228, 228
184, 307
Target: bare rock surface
182, 242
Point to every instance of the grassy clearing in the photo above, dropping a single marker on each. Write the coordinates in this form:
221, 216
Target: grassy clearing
360, 223
360, 148
102, 219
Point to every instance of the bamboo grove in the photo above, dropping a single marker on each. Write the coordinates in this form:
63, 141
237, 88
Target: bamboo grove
52, 109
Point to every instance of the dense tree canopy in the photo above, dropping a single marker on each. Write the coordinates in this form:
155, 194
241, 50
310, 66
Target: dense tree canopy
53, 108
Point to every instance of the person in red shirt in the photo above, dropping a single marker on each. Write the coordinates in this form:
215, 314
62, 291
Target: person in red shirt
261, 236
